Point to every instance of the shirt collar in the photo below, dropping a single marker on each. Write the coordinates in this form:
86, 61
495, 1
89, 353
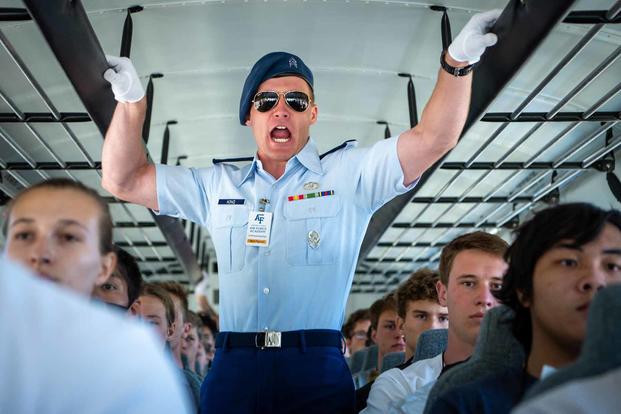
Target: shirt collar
308, 157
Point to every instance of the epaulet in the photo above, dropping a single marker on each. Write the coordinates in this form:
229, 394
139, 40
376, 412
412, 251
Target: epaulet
241, 159
346, 144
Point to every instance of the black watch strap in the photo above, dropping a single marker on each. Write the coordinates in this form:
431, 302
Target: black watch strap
452, 69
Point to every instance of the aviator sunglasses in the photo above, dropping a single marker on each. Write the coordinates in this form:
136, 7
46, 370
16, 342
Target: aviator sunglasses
296, 100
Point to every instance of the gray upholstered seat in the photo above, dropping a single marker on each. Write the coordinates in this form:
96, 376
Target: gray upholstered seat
601, 347
430, 344
496, 350
392, 360
356, 361
369, 364
370, 360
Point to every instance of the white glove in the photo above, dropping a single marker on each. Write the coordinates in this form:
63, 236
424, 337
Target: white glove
474, 38
123, 79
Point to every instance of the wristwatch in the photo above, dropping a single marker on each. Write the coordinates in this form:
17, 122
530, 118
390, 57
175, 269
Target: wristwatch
452, 69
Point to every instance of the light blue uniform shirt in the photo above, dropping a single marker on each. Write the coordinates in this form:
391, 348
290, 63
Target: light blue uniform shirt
294, 283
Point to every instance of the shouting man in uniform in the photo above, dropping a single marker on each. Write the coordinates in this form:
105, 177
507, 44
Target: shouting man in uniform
287, 228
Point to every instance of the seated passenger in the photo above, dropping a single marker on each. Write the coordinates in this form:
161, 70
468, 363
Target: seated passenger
179, 329
62, 354
557, 263
202, 363
355, 331
180, 301
123, 286
418, 309
385, 332
62, 230
471, 268
155, 306
209, 330
190, 341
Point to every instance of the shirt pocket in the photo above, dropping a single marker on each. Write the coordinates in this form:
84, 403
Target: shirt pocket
229, 225
307, 219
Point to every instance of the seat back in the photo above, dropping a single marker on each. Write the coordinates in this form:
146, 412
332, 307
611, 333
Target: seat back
430, 344
356, 361
392, 360
369, 364
496, 350
370, 360
600, 349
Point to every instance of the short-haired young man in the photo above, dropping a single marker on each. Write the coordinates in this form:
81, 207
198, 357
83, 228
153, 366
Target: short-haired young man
418, 308
155, 306
558, 262
355, 331
190, 342
181, 328
209, 330
471, 268
123, 286
62, 230
384, 330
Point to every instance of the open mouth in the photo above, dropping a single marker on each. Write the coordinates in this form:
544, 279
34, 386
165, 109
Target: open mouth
280, 134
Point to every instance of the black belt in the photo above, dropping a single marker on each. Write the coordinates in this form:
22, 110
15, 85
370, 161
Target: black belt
289, 339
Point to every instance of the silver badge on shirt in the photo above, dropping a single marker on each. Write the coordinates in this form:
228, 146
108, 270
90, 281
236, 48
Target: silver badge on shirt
313, 239
311, 185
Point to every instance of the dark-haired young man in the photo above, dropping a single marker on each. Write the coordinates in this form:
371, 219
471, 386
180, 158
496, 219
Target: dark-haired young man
471, 268
385, 331
123, 286
62, 230
557, 263
155, 306
180, 328
418, 308
355, 331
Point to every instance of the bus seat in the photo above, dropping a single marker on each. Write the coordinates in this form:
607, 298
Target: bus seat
431, 343
392, 360
496, 350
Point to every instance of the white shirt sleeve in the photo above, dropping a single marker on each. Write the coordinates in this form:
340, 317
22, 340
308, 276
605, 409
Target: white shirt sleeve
394, 385
388, 387
62, 353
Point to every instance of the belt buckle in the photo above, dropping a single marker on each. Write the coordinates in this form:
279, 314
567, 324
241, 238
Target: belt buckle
271, 339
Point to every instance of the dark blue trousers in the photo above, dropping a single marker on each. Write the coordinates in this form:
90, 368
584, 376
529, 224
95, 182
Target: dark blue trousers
278, 380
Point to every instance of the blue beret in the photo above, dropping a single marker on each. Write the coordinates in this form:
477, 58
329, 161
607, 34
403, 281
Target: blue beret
269, 66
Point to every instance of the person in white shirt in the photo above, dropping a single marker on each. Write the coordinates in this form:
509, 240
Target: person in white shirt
471, 268
64, 354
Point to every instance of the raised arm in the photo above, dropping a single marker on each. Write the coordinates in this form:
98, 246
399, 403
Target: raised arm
444, 115
126, 173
